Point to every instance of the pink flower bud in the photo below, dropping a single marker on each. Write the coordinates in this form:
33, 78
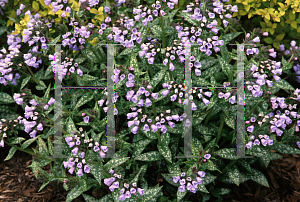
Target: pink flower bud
139, 34
109, 12
204, 160
88, 8
69, 73
247, 35
265, 34
24, 94
149, 87
247, 122
131, 68
83, 114
179, 101
295, 58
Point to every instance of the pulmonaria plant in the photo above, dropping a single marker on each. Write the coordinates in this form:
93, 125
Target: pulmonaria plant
189, 183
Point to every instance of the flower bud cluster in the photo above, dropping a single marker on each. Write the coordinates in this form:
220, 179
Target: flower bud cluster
7, 128
127, 190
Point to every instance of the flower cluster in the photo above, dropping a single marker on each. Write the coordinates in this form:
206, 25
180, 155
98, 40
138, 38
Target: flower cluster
187, 182
294, 50
62, 5
178, 90
65, 64
264, 73
34, 112
8, 126
126, 190
81, 144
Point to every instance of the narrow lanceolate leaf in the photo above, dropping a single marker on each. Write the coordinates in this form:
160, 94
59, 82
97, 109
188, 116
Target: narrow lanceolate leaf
46, 96
115, 162
234, 174
165, 152
42, 147
150, 156
228, 37
143, 169
202, 188
174, 169
28, 142
283, 84
227, 153
25, 81
261, 152
89, 198
84, 99
6, 98
150, 193
157, 78
156, 30
70, 126
97, 171
11, 152
50, 146
258, 177
35, 168
74, 193
225, 66
180, 195
17, 140
140, 146
285, 149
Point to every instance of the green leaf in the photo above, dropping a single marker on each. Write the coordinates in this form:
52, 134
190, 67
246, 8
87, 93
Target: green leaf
17, 140
6, 98
115, 162
165, 152
283, 84
229, 37
200, 82
41, 86
169, 179
198, 117
156, 30
28, 142
225, 66
106, 198
143, 169
220, 191
202, 188
35, 168
284, 149
84, 99
42, 147
245, 164
180, 195
140, 146
157, 78
208, 178
43, 186
149, 156
87, 77
227, 153
24, 82
187, 16
258, 177
46, 96
280, 37
268, 40
35, 5
2, 30
97, 171
70, 126
74, 193
261, 152
50, 146
54, 41
10, 154
151, 193
89, 198
234, 174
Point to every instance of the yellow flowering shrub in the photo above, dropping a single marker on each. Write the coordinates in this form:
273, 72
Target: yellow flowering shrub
280, 18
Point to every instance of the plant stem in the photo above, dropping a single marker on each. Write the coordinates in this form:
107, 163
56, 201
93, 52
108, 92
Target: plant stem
291, 58
208, 116
252, 110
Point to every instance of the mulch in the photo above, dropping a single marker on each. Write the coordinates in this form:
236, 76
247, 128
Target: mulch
18, 183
